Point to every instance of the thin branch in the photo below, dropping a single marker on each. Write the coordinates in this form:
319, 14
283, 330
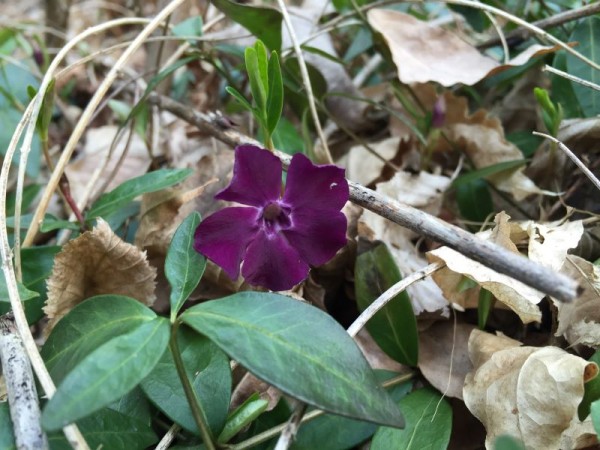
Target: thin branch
168, 438
323, 154
288, 434
487, 253
572, 78
388, 295
549, 22
587, 172
20, 385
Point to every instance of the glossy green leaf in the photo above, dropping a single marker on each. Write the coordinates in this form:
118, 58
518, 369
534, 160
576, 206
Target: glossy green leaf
107, 373
394, 327
243, 416
527, 142
184, 266
340, 433
257, 86
275, 96
428, 424
592, 391
297, 348
474, 201
486, 301
30, 192
108, 429
263, 22
28, 298
87, 327
239, 97
7, 437
562, 89
36, 264
127, 191
209, 372
506, 442
134, 404
488, 171
587, 33
595, 412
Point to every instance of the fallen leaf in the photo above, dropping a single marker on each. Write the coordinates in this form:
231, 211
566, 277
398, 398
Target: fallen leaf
250, 385
443, 357
376, 357
530, 393
423, 52
579, 321
364, 167
97, 262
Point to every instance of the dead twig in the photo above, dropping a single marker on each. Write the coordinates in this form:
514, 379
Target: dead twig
487, 253
20, 385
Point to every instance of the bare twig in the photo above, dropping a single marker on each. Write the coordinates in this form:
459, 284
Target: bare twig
288, 434
20, 385
587, 172
549, 22
570, 77
322, 152
487, 253
388, 295
166, 440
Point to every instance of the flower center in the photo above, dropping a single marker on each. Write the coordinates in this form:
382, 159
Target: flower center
276, 216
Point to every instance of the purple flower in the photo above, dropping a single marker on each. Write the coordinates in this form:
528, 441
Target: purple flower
277, 237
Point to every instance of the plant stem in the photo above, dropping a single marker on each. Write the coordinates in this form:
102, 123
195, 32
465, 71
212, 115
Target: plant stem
197, 411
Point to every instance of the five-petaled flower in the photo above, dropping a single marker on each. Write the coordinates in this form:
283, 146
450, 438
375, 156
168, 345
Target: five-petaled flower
277, 237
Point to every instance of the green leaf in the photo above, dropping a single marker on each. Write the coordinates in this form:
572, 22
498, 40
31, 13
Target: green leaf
7, 437
474, 200
27, 296
184, 266
394, 327
486, 300
506, 442
134, 404
107, 373
595, 412
239, 97
275, 97
562, 89
262, 22
88, 326
587, 33
428, 424
30, 192
110, 429
243, 416
127, 191
592, 391
488, 171
527, 142
333, 432
257, 86
209, 372
297, 348
192, 26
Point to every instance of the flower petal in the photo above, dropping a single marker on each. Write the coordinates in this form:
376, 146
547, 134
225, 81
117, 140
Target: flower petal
256, 177
317, 235
273, 263
224, 236
315, 187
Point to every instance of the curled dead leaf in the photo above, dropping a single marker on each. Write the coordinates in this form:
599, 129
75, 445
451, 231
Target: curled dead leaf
97, 262
423, 52
528, 392
579, 321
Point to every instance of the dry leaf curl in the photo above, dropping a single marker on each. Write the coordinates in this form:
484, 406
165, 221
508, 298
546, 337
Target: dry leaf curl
528, 392
97, 262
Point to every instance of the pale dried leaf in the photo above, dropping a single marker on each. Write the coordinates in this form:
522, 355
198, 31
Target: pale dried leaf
423, 52
376, 357
528, 392
443, 357
364, 167
579, 321
97, 145
250, 385
97, 262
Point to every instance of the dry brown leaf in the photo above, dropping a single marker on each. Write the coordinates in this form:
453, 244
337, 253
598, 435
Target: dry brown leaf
443, 357
97, 262
579, 321
423, 52
424, 191
97, 144
376, 357
250, 385
528, 392
547, 244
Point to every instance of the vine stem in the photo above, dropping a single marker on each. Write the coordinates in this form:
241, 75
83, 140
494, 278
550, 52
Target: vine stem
196, 407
